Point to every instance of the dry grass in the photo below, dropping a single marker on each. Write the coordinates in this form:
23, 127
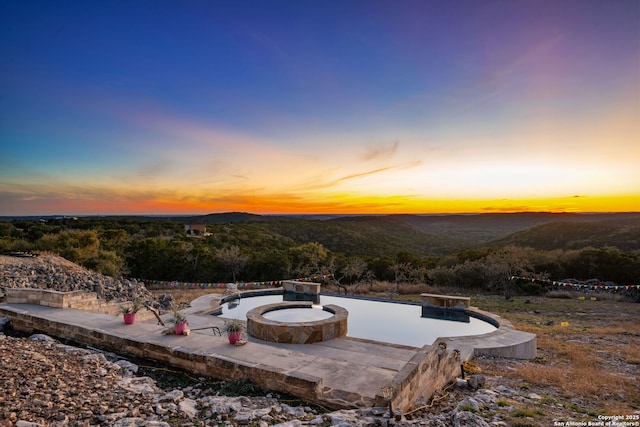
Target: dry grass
593, 360
621, 328
575, 370
588, 367
599, 296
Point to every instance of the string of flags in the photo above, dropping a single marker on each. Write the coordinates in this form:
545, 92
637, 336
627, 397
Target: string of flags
272, 283
589, 286
178, 284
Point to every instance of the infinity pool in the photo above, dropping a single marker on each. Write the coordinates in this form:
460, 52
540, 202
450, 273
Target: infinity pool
396, 323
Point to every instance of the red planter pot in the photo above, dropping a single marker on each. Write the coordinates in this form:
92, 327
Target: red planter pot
234, 337
179, 328
129, 318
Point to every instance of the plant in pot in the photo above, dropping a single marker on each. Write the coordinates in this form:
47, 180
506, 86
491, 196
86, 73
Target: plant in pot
179, 322
129, 312
233, 328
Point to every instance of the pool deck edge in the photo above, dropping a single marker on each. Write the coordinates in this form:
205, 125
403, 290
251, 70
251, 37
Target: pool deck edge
338, 373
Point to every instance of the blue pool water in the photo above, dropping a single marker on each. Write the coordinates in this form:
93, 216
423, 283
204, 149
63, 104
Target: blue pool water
298, 315
390, 322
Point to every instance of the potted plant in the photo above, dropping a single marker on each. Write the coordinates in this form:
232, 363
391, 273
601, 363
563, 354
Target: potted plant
129, 312
179, 322
234, 328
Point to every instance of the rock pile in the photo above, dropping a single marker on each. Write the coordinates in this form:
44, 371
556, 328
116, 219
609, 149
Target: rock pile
46, 383
56, 273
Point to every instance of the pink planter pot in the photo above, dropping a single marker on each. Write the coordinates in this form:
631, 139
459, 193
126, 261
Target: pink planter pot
179, 328
234, 337
129, 318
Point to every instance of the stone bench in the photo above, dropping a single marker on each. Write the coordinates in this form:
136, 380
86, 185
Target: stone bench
46, 297
445, 301
80, 300
301, 287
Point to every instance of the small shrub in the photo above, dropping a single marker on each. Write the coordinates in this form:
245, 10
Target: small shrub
528, 412
467, 407
241, 387
529, 288
559, 294
412, 289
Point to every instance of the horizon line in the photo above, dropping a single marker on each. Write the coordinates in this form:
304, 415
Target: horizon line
61, 216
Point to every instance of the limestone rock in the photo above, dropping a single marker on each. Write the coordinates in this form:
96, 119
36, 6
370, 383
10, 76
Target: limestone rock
468, 404
476, 381
468, 419
125, 365
189, 407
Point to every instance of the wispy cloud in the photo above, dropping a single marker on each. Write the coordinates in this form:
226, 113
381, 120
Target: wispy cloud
382, 151
360, 175
524, 67
381, 170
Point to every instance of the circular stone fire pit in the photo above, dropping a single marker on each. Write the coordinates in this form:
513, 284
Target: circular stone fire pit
303, 331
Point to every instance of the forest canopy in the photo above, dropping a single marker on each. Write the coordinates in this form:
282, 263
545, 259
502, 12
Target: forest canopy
476, 252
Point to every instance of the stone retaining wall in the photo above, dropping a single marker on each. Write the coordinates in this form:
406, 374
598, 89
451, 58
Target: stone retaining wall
427, 372
80, 300
305, 386
48, 298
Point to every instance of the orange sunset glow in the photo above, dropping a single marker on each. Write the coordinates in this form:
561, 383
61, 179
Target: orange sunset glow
359, 108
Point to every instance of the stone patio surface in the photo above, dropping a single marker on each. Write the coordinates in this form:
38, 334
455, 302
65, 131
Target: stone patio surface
343, 364
351, 369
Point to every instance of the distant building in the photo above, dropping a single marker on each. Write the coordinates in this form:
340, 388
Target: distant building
196, 229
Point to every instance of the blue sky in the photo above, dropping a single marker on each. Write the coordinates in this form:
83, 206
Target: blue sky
342, 106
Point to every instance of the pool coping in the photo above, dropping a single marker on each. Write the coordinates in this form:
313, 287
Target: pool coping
339, 373
505, 341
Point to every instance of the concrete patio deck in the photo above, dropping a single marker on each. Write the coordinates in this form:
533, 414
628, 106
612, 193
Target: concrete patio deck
339, 373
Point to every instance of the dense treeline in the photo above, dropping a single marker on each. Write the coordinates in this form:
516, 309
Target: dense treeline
344, 255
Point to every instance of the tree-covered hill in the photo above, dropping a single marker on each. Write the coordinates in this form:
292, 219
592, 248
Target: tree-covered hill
363, 236
576, 235
477, 251
436, 235
368, 236
472, 230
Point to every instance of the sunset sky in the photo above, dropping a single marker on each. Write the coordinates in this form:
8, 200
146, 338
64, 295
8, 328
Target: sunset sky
170, 107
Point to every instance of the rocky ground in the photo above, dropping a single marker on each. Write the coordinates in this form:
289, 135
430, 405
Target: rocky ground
47, 383
585, 372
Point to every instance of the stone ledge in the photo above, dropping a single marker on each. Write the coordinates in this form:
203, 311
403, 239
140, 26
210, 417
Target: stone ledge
80, 300
301, 287
445, 301
506, 341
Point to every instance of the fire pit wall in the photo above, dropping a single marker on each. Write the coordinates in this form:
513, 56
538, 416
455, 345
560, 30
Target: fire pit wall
296, 332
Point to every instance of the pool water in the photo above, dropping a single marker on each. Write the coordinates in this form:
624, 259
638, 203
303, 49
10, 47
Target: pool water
395, 323
296, 315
